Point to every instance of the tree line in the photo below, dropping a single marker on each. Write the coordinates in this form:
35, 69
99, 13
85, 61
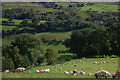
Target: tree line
95, 40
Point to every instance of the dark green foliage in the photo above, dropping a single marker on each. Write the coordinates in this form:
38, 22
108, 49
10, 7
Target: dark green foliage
24, 23
7, 64
25, 51
51, 55
115, 38
89, 41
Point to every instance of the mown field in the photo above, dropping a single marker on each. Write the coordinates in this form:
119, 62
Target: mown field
85, 65
101, 7
54, 35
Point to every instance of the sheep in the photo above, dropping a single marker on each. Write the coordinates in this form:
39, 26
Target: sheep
81, 72
95, 62
71, 73
75, 65
58, 64
60, 69
7, 71
102, 73
83, 58
90, 74
104, 62
20, 69
100, 68
43, 71
66, 72
37, 71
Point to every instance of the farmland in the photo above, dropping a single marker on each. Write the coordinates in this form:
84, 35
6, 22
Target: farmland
87, 67
57, 36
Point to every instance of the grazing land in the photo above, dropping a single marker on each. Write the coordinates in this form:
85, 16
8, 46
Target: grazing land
87, 67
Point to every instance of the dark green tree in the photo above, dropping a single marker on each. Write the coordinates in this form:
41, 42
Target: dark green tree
51, 55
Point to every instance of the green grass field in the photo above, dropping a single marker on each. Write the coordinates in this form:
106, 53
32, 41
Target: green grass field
55, 72
55, 35
101, 7
5, 28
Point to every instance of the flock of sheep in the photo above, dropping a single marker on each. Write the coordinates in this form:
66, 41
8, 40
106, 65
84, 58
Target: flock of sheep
99, 74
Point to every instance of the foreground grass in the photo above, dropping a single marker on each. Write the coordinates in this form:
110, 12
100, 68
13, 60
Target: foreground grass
87, 67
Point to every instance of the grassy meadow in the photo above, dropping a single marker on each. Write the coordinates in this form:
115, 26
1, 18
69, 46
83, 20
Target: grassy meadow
85, 65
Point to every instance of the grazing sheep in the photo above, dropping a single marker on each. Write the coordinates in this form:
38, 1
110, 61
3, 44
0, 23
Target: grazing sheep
58, 64
81, 72
71, 73
95, 62
66, 72
37, 71
102, 73
90, 74
83, 58
7, 71
60, 69
108, 61
100, 68
75, 65
43, 71
20, 69
104, 62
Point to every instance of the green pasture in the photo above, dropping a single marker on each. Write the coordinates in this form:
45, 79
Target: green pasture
5, 28
54, 35
56, 46
85, 65
101, 7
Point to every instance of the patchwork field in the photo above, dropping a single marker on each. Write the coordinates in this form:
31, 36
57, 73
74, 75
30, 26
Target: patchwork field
85, 65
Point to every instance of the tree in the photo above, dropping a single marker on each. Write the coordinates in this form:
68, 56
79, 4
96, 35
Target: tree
87, 42
25, 23
51, 55
7, 64
114, 32
25, 51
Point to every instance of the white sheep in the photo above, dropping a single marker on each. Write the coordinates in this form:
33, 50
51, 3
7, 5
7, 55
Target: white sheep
81, 72
102, 73
90, 74
95, 62
7, 71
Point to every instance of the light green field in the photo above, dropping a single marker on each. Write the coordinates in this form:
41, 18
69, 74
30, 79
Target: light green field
8, 27
55, 35
87, 67
102, 7
54, 45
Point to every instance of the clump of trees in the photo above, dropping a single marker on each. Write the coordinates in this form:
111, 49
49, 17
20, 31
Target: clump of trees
95, 40
25, 51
